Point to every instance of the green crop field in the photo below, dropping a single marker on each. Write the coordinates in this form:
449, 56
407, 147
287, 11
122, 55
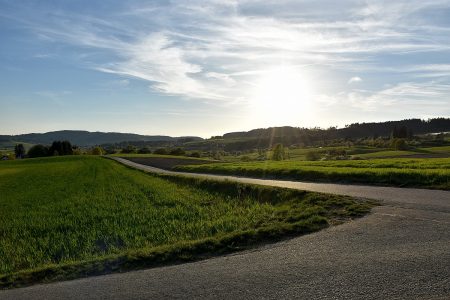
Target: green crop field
66, 217
430, 172
386, 153
362, 152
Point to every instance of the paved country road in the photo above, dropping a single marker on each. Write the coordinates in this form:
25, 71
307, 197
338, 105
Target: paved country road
400, 251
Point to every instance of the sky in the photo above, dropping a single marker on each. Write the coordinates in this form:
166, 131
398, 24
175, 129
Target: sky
206, 68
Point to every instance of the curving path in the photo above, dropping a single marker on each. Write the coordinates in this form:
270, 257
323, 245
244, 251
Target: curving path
400, 251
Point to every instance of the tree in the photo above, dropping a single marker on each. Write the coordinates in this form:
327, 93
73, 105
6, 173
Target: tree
278, 152
38, 151
177, 151
97, 151
401, 132
160, 151
144, 150
129, 149
67, 148
60, 148
19, 151
399, 144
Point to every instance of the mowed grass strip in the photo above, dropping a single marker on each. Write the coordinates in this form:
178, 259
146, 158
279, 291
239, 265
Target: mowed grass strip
68, 217
427, 172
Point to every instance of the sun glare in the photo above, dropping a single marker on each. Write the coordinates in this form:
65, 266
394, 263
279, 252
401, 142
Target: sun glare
282, 96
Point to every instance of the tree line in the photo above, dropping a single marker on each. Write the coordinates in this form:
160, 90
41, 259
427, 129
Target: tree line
55, 149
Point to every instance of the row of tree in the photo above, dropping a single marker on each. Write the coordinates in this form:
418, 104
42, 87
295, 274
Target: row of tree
56, 148
145, 150
267, 138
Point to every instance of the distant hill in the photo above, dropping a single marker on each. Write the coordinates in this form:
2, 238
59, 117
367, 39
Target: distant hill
261, 138
264, 138
355, 130
86, 138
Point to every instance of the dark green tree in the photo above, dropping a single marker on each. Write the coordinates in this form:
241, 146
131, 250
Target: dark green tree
177, 151
160, 151
60, 148
19, 151
145, 150
38, 151
67, 148
129, 149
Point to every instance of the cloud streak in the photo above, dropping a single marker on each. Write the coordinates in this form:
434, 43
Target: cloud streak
354, 79
213, 50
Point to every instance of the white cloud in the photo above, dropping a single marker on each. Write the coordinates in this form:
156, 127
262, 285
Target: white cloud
212, 50
354, 79
406, 96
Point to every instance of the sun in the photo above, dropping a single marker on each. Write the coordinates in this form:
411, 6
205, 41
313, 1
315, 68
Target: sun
282, 96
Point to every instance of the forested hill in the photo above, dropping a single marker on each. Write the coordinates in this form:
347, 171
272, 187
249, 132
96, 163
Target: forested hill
234, 141
267, 137
86, 138
356, 130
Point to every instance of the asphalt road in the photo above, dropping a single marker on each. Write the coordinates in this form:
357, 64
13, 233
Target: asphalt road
400, 251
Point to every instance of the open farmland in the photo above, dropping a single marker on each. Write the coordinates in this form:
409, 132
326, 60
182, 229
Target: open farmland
431, 172
66, 217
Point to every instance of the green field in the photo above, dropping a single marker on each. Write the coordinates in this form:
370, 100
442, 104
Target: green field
430, 172
363, 152
66, 217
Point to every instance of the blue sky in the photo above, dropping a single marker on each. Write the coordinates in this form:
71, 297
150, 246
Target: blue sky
210, 67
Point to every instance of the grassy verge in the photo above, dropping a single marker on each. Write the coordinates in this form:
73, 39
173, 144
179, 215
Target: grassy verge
135, 155
166, 163
70, 217
431, 173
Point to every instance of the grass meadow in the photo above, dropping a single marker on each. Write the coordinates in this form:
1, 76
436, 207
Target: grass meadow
74, 216
425, 172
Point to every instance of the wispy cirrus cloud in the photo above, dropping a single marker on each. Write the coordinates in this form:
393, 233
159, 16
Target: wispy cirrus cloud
214, 50
423, 98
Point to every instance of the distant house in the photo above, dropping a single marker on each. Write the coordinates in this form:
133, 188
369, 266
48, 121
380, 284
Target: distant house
5, 157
